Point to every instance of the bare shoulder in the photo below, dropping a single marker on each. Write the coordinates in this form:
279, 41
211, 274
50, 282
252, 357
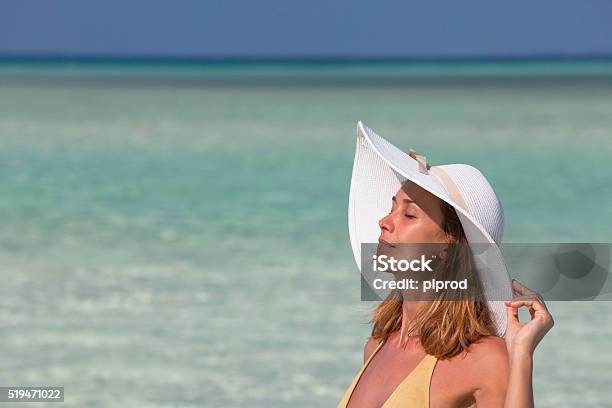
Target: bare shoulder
369, 348
487, 352
478, 374
489, 348
489, 357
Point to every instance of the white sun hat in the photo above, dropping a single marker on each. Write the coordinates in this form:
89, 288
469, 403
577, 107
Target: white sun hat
379, 171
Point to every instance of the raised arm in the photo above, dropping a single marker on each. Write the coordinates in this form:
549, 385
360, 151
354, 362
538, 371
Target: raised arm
521, 341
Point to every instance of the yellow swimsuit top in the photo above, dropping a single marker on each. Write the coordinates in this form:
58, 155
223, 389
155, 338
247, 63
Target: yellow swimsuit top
414, 389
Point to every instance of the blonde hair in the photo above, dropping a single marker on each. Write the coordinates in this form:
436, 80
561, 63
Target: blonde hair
447, 327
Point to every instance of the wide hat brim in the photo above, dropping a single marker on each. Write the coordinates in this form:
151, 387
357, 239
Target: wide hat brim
379, 170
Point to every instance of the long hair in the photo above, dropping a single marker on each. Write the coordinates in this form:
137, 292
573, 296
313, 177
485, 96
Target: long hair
447, 327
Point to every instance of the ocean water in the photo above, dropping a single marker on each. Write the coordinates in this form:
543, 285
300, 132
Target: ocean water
177, 237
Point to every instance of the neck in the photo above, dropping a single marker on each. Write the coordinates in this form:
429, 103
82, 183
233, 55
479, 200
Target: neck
410, 309
412, 305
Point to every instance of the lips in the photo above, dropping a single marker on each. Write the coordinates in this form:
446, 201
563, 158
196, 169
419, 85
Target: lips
382, 241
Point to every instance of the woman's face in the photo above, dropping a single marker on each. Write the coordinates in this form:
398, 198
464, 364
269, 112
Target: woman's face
415, 217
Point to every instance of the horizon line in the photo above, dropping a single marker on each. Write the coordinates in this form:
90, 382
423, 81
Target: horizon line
270, 58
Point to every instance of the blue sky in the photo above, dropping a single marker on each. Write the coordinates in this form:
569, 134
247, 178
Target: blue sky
288, 28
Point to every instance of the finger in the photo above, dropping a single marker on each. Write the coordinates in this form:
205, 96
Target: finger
518, 303
524, 297
521, 289
537, 310
535, 297
535, 306
529, 304
512, 314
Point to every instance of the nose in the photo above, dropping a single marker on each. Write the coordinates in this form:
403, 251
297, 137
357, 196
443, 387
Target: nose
386, 223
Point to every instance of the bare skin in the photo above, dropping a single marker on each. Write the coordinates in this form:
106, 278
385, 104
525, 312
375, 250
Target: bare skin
493, 373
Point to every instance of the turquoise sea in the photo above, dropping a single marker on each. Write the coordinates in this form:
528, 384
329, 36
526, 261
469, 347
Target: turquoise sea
175, 235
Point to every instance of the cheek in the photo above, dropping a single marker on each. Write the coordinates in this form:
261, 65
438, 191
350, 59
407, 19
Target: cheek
435, 233
420, 230
411, 230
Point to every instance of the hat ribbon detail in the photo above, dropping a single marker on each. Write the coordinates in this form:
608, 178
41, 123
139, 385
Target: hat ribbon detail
451, 187
421, 160
448, 182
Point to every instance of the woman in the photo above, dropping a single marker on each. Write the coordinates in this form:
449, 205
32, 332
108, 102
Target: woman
436, 352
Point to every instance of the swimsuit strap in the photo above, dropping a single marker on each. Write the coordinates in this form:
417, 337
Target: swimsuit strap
414, 388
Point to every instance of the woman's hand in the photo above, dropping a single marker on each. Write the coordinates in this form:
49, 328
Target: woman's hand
524, 337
